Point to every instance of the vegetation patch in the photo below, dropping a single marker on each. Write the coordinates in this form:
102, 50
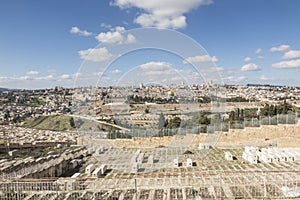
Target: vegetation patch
52, 122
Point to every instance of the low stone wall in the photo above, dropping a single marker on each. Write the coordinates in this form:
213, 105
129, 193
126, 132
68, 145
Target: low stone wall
282, 135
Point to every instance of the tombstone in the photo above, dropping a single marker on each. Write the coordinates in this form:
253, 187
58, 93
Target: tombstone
74, 164
97, 172
177, 163
76, 175
150, 159
250, 157
89, 169
251, 149
135, 167
228, 156
103, 169
13, 153
204, 146
189, 162
140, 158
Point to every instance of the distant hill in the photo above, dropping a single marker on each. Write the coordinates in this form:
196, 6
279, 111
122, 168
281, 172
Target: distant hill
61, 123
4, 89
52, 122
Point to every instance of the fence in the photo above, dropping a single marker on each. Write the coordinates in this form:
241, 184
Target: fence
227, 185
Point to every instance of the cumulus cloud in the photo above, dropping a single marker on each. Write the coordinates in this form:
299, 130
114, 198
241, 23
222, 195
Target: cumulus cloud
158, 69
76, 30
155, 66
280, 48
250, 67
95, 55
247, 59
257, 51
66, 76
200, 59
49, 77
115, 36
292, 54
130, 39
32, 73
291, 64
36, 81
148, 20
162, 14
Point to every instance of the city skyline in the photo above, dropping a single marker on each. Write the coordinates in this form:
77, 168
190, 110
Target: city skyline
45, 43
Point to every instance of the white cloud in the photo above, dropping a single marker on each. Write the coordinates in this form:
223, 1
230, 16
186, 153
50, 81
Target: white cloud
130, 39
162, 14
36, 81
77, 74
234, 79
264, 78
258, 50
95, 55
157, 69
155, 66
280, 48
28, 78
260, 57
104, 25
247, 59
76, 30
292, 54
32, 73
241, 79
202, 58
116, 71
250, 67
291, 64
115, 36
49, 77
65, 76
219, 69
148, 20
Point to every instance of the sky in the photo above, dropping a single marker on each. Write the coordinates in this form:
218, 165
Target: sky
67, 43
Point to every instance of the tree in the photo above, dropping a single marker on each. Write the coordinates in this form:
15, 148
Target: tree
6, 115
232, 115
161, 121
174, 123
72, 122
203, 119
242, 115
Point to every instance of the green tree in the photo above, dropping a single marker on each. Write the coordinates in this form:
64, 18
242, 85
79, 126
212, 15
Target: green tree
72, 122
242, 114
203, 119
174, 123
161, 121
232, 115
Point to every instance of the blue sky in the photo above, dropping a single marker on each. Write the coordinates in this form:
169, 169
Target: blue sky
44, 43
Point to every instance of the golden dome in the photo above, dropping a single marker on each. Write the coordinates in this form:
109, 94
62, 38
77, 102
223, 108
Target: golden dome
170, 93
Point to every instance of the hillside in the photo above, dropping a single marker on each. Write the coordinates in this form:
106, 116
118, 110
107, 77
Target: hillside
53, 122
61, 123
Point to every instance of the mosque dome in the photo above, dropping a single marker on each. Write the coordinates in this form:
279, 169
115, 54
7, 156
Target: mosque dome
170, 93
